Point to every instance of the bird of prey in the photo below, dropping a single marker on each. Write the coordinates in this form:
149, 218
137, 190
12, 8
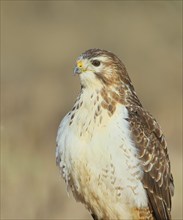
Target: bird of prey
111, 152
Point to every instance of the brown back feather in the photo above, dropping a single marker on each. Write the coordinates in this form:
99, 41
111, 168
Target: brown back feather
157, 179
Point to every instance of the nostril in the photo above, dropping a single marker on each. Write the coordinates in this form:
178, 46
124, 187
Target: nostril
79, 64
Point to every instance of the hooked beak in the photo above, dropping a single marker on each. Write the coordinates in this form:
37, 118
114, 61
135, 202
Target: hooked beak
79, 67
77, 70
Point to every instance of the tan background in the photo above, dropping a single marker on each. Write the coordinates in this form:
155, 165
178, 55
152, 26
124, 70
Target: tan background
40, 41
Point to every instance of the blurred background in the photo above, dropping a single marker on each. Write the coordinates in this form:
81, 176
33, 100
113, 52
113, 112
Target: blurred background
40, 41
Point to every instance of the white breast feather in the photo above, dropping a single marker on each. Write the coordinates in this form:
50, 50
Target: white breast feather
101, 158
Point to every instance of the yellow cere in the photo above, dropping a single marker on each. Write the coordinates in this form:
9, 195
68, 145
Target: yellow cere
80, 64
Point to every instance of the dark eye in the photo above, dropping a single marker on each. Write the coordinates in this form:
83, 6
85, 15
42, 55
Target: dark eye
95, 63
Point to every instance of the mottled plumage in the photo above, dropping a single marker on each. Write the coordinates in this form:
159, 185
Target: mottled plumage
110, 150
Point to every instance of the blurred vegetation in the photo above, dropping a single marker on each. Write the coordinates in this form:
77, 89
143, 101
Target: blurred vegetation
40, 41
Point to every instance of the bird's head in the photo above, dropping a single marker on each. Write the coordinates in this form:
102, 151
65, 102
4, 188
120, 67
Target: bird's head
98, 68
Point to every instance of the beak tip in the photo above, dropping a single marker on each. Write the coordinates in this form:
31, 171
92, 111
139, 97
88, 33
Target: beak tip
77, 70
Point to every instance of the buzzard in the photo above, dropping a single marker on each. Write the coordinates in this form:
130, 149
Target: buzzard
111, 152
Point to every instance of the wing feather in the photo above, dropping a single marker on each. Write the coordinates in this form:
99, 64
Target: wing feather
157, 179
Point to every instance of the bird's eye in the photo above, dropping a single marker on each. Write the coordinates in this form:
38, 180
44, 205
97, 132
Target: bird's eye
95, 63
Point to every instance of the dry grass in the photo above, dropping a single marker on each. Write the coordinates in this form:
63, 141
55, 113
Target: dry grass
40, 41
